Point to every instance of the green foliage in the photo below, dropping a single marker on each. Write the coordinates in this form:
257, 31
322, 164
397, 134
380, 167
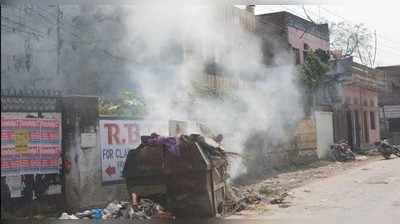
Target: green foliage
314, 68
127, 105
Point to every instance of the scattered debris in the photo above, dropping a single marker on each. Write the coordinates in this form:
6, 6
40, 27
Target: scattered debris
284, 205
377, 182
145, 209
65, 215
360, 158
280, 199
276, 189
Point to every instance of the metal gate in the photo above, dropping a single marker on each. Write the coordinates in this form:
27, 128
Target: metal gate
31, 152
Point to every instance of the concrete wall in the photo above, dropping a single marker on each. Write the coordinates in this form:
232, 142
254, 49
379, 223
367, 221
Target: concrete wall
28, 47
324, 130
83, 182
78, 49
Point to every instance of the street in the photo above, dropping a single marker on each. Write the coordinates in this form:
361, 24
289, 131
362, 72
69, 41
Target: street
217, 112
363, 195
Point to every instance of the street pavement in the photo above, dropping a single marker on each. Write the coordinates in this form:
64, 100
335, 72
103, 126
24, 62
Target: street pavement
366, 194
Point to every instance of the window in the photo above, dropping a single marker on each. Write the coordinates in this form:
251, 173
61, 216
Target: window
348, 100
296, 55
394, 125
305, 51
372, 120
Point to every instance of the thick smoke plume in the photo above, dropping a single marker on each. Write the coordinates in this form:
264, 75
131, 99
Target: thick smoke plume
171, 43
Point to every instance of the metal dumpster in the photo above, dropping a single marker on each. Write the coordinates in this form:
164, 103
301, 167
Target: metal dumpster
189, 175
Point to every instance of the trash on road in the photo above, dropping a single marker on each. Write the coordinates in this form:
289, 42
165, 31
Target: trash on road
65, 215
145, 209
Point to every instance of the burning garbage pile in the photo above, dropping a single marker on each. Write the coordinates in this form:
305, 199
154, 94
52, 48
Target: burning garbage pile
170, 177
186, 175
167, 176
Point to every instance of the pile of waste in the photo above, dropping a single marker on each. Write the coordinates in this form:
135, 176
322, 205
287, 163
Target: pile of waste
184, 174
188, 172
237, 199
146, 209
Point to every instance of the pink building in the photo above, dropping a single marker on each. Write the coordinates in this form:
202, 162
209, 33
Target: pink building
360, 94
282, 30
351, 90
351, 93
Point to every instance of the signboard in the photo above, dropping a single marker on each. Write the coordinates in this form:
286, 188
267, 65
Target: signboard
30, 146
117, 137
88, 140
21, 140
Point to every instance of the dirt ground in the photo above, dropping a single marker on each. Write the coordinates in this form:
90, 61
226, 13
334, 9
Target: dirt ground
274, 189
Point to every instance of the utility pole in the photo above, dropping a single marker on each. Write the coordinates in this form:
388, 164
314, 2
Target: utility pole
59, 41
376, 45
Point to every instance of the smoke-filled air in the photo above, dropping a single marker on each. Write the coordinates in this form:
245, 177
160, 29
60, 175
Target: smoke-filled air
170, 46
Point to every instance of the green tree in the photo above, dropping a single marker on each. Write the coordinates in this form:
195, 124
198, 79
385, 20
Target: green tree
128, 105
312, 73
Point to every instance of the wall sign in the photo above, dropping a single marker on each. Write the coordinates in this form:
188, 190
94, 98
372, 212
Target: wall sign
30, 146
21, 140
88, 140
117, 137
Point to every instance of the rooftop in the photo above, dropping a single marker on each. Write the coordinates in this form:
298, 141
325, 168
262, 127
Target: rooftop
320, 30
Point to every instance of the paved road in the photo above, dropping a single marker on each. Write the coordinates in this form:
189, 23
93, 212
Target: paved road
367, 194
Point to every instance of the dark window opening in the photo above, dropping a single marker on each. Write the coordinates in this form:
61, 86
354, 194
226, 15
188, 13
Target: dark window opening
366, 131
296, 55
372, 120
394, 125
305, 51
348, 101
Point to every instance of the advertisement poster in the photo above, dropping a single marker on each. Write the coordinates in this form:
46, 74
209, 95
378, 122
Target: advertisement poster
30, 146
117, 137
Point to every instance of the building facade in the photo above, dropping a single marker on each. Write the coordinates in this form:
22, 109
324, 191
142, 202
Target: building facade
283, 30
389, 102
350, 91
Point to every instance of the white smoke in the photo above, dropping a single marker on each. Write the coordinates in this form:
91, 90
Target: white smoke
267, 102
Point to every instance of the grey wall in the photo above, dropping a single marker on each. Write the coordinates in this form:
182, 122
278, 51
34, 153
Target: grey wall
83, 183
86, 40
28, 47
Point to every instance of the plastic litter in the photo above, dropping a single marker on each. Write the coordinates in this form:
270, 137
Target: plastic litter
65, 215
146, 209
97, 213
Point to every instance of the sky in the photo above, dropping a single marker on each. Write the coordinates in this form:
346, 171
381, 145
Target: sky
382, 16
